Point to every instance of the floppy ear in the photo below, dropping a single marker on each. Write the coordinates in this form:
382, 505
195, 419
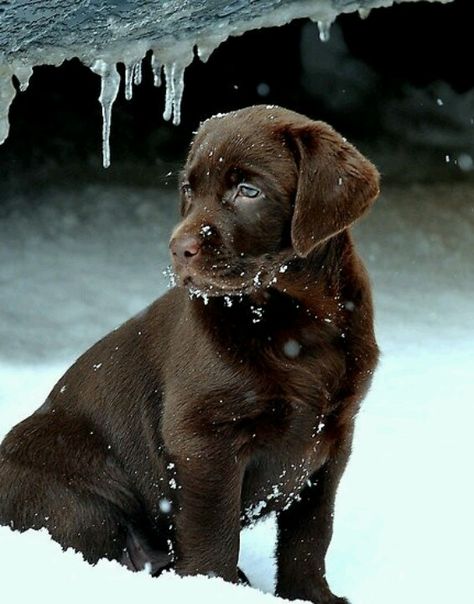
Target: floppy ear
336, 185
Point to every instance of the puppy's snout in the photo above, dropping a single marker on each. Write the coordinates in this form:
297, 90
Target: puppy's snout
185, 248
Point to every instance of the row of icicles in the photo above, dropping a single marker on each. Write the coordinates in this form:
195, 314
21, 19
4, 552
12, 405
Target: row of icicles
110, 85
174, 82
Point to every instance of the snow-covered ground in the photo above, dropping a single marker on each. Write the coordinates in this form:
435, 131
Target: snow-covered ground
75, 263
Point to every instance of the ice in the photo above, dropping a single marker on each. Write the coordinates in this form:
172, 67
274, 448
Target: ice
23, 73
156, 69
129, 81
174, 54
137, 73
133, 76
324, 30
7, 94
174, 76
206, 45
364, 12
110, 84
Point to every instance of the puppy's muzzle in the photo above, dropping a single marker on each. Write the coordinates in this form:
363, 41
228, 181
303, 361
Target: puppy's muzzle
185, 252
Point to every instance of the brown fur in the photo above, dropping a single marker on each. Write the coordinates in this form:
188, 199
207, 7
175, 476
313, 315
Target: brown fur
244, 392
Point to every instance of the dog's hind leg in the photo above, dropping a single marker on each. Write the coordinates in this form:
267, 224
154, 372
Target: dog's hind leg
83, 521
60, 476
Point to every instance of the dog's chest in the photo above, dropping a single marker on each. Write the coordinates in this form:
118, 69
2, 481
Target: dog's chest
282, 424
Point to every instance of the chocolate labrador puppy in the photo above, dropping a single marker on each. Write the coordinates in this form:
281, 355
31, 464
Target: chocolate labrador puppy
233, 395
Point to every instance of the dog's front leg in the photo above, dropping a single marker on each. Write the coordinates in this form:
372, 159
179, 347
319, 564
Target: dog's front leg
208, 494
304, 534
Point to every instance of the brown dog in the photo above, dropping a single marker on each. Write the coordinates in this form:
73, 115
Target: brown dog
209, 410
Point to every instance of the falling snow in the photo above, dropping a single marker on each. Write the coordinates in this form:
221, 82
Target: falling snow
292, 349
165, 505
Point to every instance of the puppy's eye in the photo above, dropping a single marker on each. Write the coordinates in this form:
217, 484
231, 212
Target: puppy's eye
245, 190
186, 198
186, 189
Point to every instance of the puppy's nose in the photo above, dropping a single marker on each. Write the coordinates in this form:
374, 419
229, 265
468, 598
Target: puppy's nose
185, 248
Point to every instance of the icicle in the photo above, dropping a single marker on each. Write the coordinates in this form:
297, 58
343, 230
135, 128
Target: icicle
137, 73
324, 30
133, 76
7, 94
110, 83
129, 80
24, 74
206, 45
156, 68
364, 12
174, 75
168, 93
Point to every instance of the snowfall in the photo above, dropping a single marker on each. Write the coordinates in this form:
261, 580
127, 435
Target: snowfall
76, 263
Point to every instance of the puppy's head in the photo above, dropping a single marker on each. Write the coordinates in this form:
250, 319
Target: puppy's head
261, 185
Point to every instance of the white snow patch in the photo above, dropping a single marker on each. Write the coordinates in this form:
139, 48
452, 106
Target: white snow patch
55, 577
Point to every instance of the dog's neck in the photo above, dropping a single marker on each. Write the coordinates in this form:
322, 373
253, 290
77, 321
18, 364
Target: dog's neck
309, 284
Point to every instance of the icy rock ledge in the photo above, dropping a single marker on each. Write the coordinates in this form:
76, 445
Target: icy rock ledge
104, 33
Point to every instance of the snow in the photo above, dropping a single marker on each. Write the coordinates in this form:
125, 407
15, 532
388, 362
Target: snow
55, 576
465, 162
291, 348
75, 265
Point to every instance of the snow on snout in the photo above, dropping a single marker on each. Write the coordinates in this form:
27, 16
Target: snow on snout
205, 231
